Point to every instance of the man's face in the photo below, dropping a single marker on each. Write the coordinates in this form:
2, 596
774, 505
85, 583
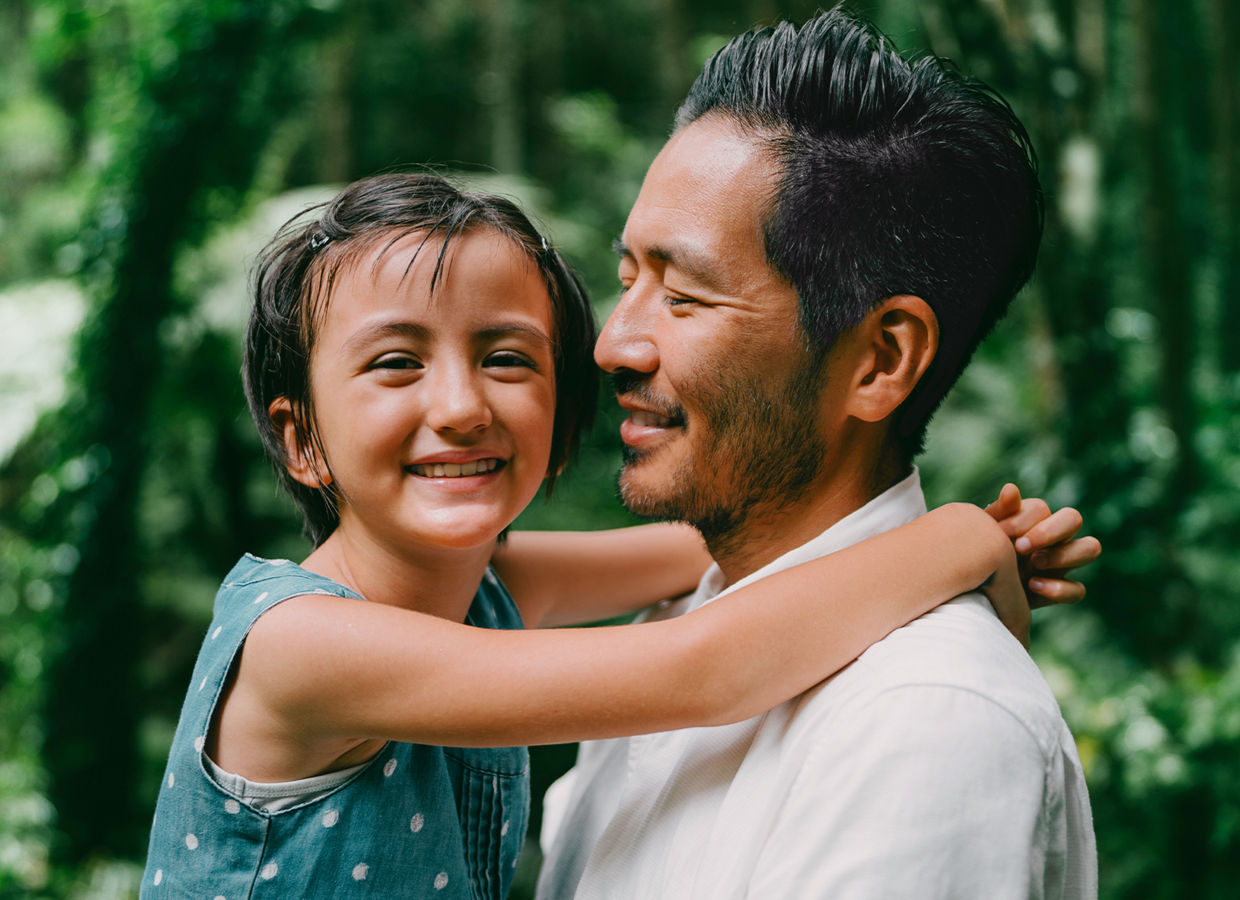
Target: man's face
705, 345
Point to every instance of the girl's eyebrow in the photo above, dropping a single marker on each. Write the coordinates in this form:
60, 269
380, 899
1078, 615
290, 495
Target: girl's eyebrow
506, 329
409, 330
412, 331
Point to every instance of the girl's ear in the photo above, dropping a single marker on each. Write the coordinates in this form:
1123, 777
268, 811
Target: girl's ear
898, 340
302, 462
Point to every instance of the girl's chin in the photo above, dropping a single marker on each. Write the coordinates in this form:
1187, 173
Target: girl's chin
469, 535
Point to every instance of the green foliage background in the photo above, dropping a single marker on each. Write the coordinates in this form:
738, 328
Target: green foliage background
149, 147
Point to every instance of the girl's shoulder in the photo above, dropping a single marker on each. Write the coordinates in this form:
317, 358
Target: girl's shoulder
265, 582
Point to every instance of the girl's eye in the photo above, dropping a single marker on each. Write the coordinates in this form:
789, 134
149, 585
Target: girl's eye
396, 362
508, 359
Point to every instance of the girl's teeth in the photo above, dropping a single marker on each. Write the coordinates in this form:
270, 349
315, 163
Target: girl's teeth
456, 470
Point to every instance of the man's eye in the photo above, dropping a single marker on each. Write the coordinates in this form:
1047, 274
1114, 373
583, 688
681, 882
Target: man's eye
678, 301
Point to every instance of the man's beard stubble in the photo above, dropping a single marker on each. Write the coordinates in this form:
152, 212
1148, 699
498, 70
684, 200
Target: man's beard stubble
751, 454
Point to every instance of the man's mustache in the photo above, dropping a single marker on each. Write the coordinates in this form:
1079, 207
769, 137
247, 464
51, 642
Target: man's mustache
636, 387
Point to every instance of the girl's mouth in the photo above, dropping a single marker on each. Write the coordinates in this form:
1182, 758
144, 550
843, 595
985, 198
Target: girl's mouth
455, 470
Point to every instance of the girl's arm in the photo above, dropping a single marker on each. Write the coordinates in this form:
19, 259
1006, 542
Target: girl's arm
570, 577
326, 667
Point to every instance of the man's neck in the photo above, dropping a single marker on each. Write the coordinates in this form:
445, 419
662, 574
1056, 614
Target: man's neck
770, 530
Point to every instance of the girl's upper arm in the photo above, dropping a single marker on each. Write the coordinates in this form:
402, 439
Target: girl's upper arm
570, 577
332, 667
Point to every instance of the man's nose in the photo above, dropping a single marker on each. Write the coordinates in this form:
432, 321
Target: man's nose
458, 401
627, 340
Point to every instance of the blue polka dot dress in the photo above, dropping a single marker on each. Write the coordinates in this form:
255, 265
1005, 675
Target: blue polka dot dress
415, 822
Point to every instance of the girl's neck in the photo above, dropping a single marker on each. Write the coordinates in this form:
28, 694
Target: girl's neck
437, 581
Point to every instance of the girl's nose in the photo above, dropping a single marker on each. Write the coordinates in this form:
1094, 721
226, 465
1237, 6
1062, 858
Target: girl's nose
458, 403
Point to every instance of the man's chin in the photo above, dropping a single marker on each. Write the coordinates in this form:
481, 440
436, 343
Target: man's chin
641, 491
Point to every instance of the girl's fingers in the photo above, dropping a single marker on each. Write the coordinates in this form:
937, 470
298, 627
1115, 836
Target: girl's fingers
1007, 505
1049, 530
1032, 511
1068, 555
1051, 591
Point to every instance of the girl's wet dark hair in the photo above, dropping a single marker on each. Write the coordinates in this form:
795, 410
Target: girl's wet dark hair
293, 282
894, 177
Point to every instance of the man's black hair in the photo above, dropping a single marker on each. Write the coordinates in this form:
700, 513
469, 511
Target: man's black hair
894, 177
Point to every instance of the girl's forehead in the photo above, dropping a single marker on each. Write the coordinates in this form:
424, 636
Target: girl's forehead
429, 256
480, 271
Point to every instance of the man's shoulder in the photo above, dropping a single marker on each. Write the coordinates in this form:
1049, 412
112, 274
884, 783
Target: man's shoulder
959, 648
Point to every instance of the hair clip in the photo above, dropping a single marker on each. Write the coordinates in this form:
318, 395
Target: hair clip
318, 239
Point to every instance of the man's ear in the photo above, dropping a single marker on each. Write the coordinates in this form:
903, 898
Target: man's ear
895, 342
302, 462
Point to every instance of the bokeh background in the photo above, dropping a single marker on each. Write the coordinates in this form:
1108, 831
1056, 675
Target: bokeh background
148, 148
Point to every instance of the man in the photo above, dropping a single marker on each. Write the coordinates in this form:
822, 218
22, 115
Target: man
813, 257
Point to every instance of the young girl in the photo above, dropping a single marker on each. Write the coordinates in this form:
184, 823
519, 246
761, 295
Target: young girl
418, 361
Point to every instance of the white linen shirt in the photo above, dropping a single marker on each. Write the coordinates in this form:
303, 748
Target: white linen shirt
935, 766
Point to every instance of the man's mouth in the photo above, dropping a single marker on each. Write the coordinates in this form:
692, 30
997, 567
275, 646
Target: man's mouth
456, 470
647, 419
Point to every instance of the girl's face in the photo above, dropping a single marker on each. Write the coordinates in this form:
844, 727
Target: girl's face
435, 411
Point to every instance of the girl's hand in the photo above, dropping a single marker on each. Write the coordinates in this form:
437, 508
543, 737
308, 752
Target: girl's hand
1003, 589
1046, 545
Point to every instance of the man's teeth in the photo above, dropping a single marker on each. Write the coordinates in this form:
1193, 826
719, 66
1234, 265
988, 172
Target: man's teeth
455, 470
648, 419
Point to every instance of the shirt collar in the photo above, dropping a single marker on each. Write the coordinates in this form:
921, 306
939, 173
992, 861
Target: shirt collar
898, 505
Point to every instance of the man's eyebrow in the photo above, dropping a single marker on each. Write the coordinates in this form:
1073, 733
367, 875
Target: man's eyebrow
694, 265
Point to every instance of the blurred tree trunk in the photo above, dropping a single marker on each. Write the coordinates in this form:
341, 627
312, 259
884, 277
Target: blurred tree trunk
1226, 24
93, 703
499, 82
335, 159
1161, 113
672, 57
547, 81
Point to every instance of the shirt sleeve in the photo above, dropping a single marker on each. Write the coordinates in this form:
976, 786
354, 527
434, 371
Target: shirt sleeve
921, 792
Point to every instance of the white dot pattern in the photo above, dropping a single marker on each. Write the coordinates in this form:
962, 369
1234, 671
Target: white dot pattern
330, 818
360, 871
172, 779
261, 597
204, 683
217, 631
503, 829
231, 806
441, 881
199, 743
159, 877
388, 768
269, 871
191, 841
